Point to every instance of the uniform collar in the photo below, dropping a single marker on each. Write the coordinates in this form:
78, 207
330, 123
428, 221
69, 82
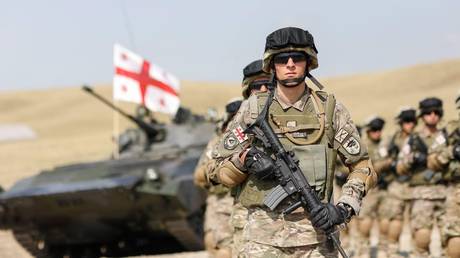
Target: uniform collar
299, 104
426, 133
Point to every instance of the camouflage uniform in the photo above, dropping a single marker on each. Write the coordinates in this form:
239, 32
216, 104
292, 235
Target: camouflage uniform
426, 193
452, 216
269, 232
392, 205
217, 228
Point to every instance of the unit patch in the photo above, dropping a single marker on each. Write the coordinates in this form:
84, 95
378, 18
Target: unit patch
341, 135
352, 146
230, 142
239, 134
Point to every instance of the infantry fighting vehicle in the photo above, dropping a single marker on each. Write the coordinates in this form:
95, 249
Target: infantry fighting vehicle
144, 202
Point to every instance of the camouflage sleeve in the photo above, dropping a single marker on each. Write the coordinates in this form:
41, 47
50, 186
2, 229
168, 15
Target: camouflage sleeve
233, 141
205, 164
355, 156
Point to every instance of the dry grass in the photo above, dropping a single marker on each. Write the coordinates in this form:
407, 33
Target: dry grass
74, 127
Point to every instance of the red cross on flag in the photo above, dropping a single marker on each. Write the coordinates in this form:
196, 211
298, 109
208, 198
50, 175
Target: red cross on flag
137, 80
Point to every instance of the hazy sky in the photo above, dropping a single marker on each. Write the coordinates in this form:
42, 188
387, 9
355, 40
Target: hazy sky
56, 43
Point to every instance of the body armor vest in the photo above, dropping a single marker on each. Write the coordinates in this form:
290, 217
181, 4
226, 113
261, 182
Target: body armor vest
309, 134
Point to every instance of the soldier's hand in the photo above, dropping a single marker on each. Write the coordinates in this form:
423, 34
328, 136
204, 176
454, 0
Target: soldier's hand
456, 151
327, 215
259, 163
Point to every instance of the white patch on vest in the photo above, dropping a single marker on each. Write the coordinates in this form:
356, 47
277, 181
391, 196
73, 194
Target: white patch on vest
291, 123
383, 152
352, 146
341, 135
239, 134
405, 149
440, 139
230, 142
299, 135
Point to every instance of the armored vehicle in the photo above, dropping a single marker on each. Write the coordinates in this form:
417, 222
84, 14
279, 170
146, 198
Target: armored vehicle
144, 202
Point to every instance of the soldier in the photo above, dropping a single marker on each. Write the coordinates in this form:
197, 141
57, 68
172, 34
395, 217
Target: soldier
426, 191
314, 126
368, 215
218, 234
391, 208
449, 157
254, 80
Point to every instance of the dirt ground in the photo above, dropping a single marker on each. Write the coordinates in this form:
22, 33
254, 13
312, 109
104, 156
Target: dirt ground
73, 127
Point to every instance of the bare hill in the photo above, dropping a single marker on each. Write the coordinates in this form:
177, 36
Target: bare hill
74, 127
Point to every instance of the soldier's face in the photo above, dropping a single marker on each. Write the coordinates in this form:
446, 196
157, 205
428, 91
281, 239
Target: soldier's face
408, 127
431, 119
292, 68
374, 135
263, 88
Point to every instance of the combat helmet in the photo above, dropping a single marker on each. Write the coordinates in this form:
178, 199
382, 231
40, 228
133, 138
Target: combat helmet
406, 114
251, 73
231, 108
374, 123
290, 39
429, 105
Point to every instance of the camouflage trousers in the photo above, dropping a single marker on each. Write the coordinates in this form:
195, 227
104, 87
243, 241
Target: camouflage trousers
250, 249
392, 201
238, 220
370, 204
217, 221
427, 205
451, 218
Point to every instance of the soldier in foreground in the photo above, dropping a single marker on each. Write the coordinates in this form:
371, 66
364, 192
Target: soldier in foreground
312, 125
428, 194
449, 157
391, 208
218, 233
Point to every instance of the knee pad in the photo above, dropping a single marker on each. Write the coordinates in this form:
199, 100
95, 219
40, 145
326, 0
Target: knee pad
209, 242
224, 253
422, 238
364, 226
383, 226
394, 230
453, 247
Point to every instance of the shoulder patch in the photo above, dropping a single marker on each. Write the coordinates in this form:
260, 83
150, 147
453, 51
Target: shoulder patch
352, 146
230, 142
238, 132
341, 135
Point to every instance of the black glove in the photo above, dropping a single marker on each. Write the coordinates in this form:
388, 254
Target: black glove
456, 151
259, 164
419, 160
327, 215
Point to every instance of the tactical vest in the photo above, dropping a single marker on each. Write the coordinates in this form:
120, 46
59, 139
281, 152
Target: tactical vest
422, 175
309, 133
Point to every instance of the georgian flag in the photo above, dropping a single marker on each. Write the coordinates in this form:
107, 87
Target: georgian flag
138, 81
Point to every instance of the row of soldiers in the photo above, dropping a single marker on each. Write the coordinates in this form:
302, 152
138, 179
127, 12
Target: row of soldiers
240, 171
419, 175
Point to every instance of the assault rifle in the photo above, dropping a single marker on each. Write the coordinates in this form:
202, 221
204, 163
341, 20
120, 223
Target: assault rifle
292, 181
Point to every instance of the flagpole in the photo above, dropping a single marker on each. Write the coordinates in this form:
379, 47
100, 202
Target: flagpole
116, 130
